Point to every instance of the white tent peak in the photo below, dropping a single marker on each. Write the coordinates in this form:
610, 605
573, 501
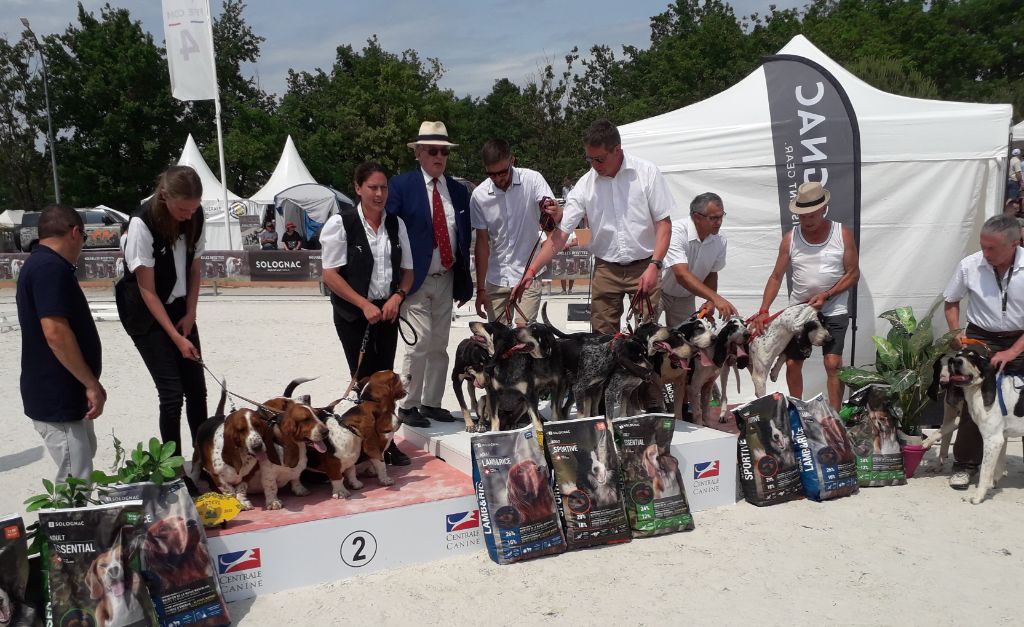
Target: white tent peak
213, 193
290, 171
1018, 132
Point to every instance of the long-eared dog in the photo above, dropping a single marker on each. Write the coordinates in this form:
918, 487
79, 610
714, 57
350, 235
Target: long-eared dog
697, 336
115, 588
766, 350
362, 433
974, 375
175, 553
295, 425
227, 450
729, 344
549, 373
471, 358
953, 402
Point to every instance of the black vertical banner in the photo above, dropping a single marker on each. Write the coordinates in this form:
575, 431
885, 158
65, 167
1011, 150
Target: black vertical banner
816, 138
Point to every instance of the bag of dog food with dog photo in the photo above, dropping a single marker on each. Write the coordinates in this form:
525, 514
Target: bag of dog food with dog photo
652, 484
513, 487
94, 565
769, 473
587, 481
15, 609
828, 466
872, 428
175, 562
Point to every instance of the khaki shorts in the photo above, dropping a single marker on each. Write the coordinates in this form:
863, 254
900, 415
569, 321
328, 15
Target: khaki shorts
530, 303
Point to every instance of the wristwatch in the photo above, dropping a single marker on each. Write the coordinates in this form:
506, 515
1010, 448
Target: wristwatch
658, 263
401, 293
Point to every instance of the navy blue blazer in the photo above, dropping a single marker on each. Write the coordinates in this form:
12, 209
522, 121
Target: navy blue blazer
407, 198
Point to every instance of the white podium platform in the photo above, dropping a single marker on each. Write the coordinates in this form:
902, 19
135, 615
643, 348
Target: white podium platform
707, 457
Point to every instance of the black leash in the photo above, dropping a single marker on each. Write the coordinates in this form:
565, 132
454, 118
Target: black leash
275, 415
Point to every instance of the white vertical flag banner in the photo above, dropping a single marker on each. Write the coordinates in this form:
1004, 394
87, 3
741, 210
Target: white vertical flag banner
188, 31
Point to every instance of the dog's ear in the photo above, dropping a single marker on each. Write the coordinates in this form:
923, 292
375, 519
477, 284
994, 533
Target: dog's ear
721, 349
933, 388
93, 580
988, 383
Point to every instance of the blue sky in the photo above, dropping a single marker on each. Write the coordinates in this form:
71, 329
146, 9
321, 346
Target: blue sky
477, 42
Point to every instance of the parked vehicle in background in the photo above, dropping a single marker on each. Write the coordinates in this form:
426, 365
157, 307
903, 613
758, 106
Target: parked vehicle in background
103, 228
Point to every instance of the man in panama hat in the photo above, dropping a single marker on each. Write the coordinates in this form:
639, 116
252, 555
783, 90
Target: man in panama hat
435, 209
821, 257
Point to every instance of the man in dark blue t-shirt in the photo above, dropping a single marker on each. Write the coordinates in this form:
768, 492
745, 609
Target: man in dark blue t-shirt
60, 347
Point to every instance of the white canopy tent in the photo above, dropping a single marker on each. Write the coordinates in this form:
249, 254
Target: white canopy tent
290, 171
930, 173
1018, 132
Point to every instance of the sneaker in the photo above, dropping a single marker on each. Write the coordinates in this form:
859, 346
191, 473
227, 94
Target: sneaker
413, 418
961, 478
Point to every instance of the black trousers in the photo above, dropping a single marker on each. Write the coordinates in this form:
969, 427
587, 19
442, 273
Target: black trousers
380, 348
179, 381
967, 448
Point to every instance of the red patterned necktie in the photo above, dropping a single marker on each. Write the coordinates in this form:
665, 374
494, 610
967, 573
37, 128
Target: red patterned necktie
441, 239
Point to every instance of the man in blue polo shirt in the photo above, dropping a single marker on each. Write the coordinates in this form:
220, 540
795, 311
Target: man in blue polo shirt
60, 347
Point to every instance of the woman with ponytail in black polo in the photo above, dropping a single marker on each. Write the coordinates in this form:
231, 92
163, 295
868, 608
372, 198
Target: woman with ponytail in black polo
159, 293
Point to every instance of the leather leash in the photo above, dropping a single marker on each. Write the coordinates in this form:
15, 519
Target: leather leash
276, 415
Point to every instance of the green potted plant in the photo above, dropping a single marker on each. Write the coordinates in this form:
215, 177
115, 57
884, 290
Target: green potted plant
904, 361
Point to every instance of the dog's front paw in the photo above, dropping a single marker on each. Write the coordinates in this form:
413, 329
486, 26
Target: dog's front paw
340, 494
246, 503
386, 481
299, 490
275, 504
723, 418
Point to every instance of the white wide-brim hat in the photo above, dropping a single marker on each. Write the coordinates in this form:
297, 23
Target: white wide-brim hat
809, 198
432, 134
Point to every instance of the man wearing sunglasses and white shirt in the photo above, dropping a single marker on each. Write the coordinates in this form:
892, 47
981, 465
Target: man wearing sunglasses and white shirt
435, 209
505, 211
628, 204
695, 257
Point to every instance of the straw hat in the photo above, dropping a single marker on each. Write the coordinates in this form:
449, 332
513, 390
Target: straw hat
432, 134
809, 198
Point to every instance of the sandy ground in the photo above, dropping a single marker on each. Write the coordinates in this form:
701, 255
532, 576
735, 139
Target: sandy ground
914, 555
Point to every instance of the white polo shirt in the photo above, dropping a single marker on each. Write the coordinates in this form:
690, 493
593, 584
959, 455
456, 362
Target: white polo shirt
974, 277
702, 257
334, 242
138, 251
621, 209
510, 218
449, 215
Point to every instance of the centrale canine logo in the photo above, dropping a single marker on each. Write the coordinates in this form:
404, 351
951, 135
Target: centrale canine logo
705, 470
462, 521
238, 561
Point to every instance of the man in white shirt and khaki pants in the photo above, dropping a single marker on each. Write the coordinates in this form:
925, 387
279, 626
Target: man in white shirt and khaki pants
627, 203
995, 315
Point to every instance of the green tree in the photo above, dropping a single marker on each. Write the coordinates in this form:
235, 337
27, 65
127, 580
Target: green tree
24, 171
118, 125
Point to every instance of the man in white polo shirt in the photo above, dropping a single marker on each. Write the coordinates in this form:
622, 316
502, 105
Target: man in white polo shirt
627, 203
696, 255
505, 211
993, 278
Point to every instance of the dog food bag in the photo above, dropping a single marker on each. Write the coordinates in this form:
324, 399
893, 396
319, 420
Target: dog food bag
176, 564
872, 428
513, 488
769, 473
828, 466
587, 481
15, 609
94, 565
652, 485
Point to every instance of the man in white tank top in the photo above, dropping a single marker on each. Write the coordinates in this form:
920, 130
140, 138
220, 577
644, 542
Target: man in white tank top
821, 257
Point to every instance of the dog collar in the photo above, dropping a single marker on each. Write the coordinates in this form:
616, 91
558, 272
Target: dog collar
518, 348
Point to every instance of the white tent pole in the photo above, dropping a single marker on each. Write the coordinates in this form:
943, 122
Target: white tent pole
220, 137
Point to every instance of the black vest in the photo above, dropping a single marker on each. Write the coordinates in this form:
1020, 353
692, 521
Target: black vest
134, 314
358, 266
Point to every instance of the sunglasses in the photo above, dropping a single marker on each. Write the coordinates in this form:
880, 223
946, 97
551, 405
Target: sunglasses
499, 172
85, 236
433, 151
711, 218
597, 160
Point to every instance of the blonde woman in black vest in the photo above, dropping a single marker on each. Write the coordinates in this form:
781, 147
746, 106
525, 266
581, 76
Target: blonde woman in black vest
158, 294
367, 266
